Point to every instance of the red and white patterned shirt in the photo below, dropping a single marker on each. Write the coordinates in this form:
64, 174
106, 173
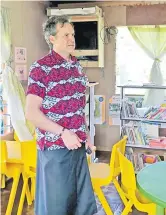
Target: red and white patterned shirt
62, 86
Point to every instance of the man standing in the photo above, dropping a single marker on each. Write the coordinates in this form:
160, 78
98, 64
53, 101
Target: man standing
55, 105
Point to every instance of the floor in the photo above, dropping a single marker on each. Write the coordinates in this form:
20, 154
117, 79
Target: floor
28, 210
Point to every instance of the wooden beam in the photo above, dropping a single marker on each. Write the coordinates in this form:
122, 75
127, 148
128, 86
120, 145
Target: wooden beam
89, 13
110, 4
78, 53
89, 64
74, 12
84, 18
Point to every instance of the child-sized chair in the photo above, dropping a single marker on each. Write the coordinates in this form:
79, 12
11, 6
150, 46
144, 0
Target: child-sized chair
128, 184
103, 174
11, 170
29, 156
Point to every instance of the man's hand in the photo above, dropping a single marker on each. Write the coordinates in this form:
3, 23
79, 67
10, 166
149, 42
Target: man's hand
71, 140
89, 144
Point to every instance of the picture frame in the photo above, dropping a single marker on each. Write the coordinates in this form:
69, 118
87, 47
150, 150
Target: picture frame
21, 72
20, 55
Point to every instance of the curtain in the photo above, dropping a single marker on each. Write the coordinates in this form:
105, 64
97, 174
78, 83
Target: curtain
12, 88
152, 39
5, 35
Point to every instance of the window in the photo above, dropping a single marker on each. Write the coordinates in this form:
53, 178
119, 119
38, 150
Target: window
133, 65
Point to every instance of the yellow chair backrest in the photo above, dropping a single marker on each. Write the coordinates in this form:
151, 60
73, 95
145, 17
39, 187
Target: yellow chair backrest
29, 154
114, 161
22, 152
128, 179
3, 157
13, 151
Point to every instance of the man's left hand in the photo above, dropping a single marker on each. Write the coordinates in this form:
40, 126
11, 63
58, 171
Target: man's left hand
89, 144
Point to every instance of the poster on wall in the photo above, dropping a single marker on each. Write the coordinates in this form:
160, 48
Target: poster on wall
99, 114
114, 110
21, 72
20, 55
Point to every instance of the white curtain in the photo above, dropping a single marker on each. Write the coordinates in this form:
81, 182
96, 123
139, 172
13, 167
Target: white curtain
152, 39
12, 88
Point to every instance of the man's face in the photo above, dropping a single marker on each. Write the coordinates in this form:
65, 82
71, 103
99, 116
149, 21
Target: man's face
64, 41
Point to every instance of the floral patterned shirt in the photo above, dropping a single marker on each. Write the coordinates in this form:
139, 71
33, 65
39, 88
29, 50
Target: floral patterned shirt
61, 85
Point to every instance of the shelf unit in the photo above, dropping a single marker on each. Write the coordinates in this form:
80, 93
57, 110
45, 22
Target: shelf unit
142, 148
144, 120
91, 86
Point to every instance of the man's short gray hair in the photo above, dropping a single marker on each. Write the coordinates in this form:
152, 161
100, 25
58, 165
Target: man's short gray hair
49, 27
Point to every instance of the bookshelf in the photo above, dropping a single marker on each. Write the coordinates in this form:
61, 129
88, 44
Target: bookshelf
135, 127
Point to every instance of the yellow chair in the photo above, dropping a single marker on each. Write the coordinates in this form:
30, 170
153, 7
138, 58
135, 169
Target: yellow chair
14, 159
25, 159
103, 174
128, 182
11, 170
29, 156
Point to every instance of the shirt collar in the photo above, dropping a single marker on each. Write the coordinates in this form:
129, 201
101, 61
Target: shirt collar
60, 59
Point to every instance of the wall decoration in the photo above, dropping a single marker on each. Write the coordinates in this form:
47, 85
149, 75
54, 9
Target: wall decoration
21, 72
20, 55
114, 110
99, 109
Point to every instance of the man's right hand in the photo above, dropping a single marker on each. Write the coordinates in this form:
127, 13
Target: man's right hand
71, 140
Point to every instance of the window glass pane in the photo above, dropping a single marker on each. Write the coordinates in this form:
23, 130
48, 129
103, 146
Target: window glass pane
133, 65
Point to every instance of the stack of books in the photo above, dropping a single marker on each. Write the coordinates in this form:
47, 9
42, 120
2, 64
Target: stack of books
158, 142
135, 132
156, 113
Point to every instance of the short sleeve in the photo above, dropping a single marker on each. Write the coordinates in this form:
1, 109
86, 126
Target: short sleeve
36, 83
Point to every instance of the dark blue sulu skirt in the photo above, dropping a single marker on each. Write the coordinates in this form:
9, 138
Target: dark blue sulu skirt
63, 185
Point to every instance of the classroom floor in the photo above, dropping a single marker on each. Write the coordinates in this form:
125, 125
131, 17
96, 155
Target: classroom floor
28, 210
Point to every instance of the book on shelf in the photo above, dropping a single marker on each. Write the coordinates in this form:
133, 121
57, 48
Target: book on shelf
138, 134
129, 110
158, 142
142, 132
156, 113
135, 133
140, 160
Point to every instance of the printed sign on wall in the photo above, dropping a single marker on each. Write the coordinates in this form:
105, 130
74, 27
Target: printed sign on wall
99, 109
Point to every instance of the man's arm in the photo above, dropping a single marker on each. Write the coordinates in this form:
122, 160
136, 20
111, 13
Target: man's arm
36, 92
34, 114
39, 120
